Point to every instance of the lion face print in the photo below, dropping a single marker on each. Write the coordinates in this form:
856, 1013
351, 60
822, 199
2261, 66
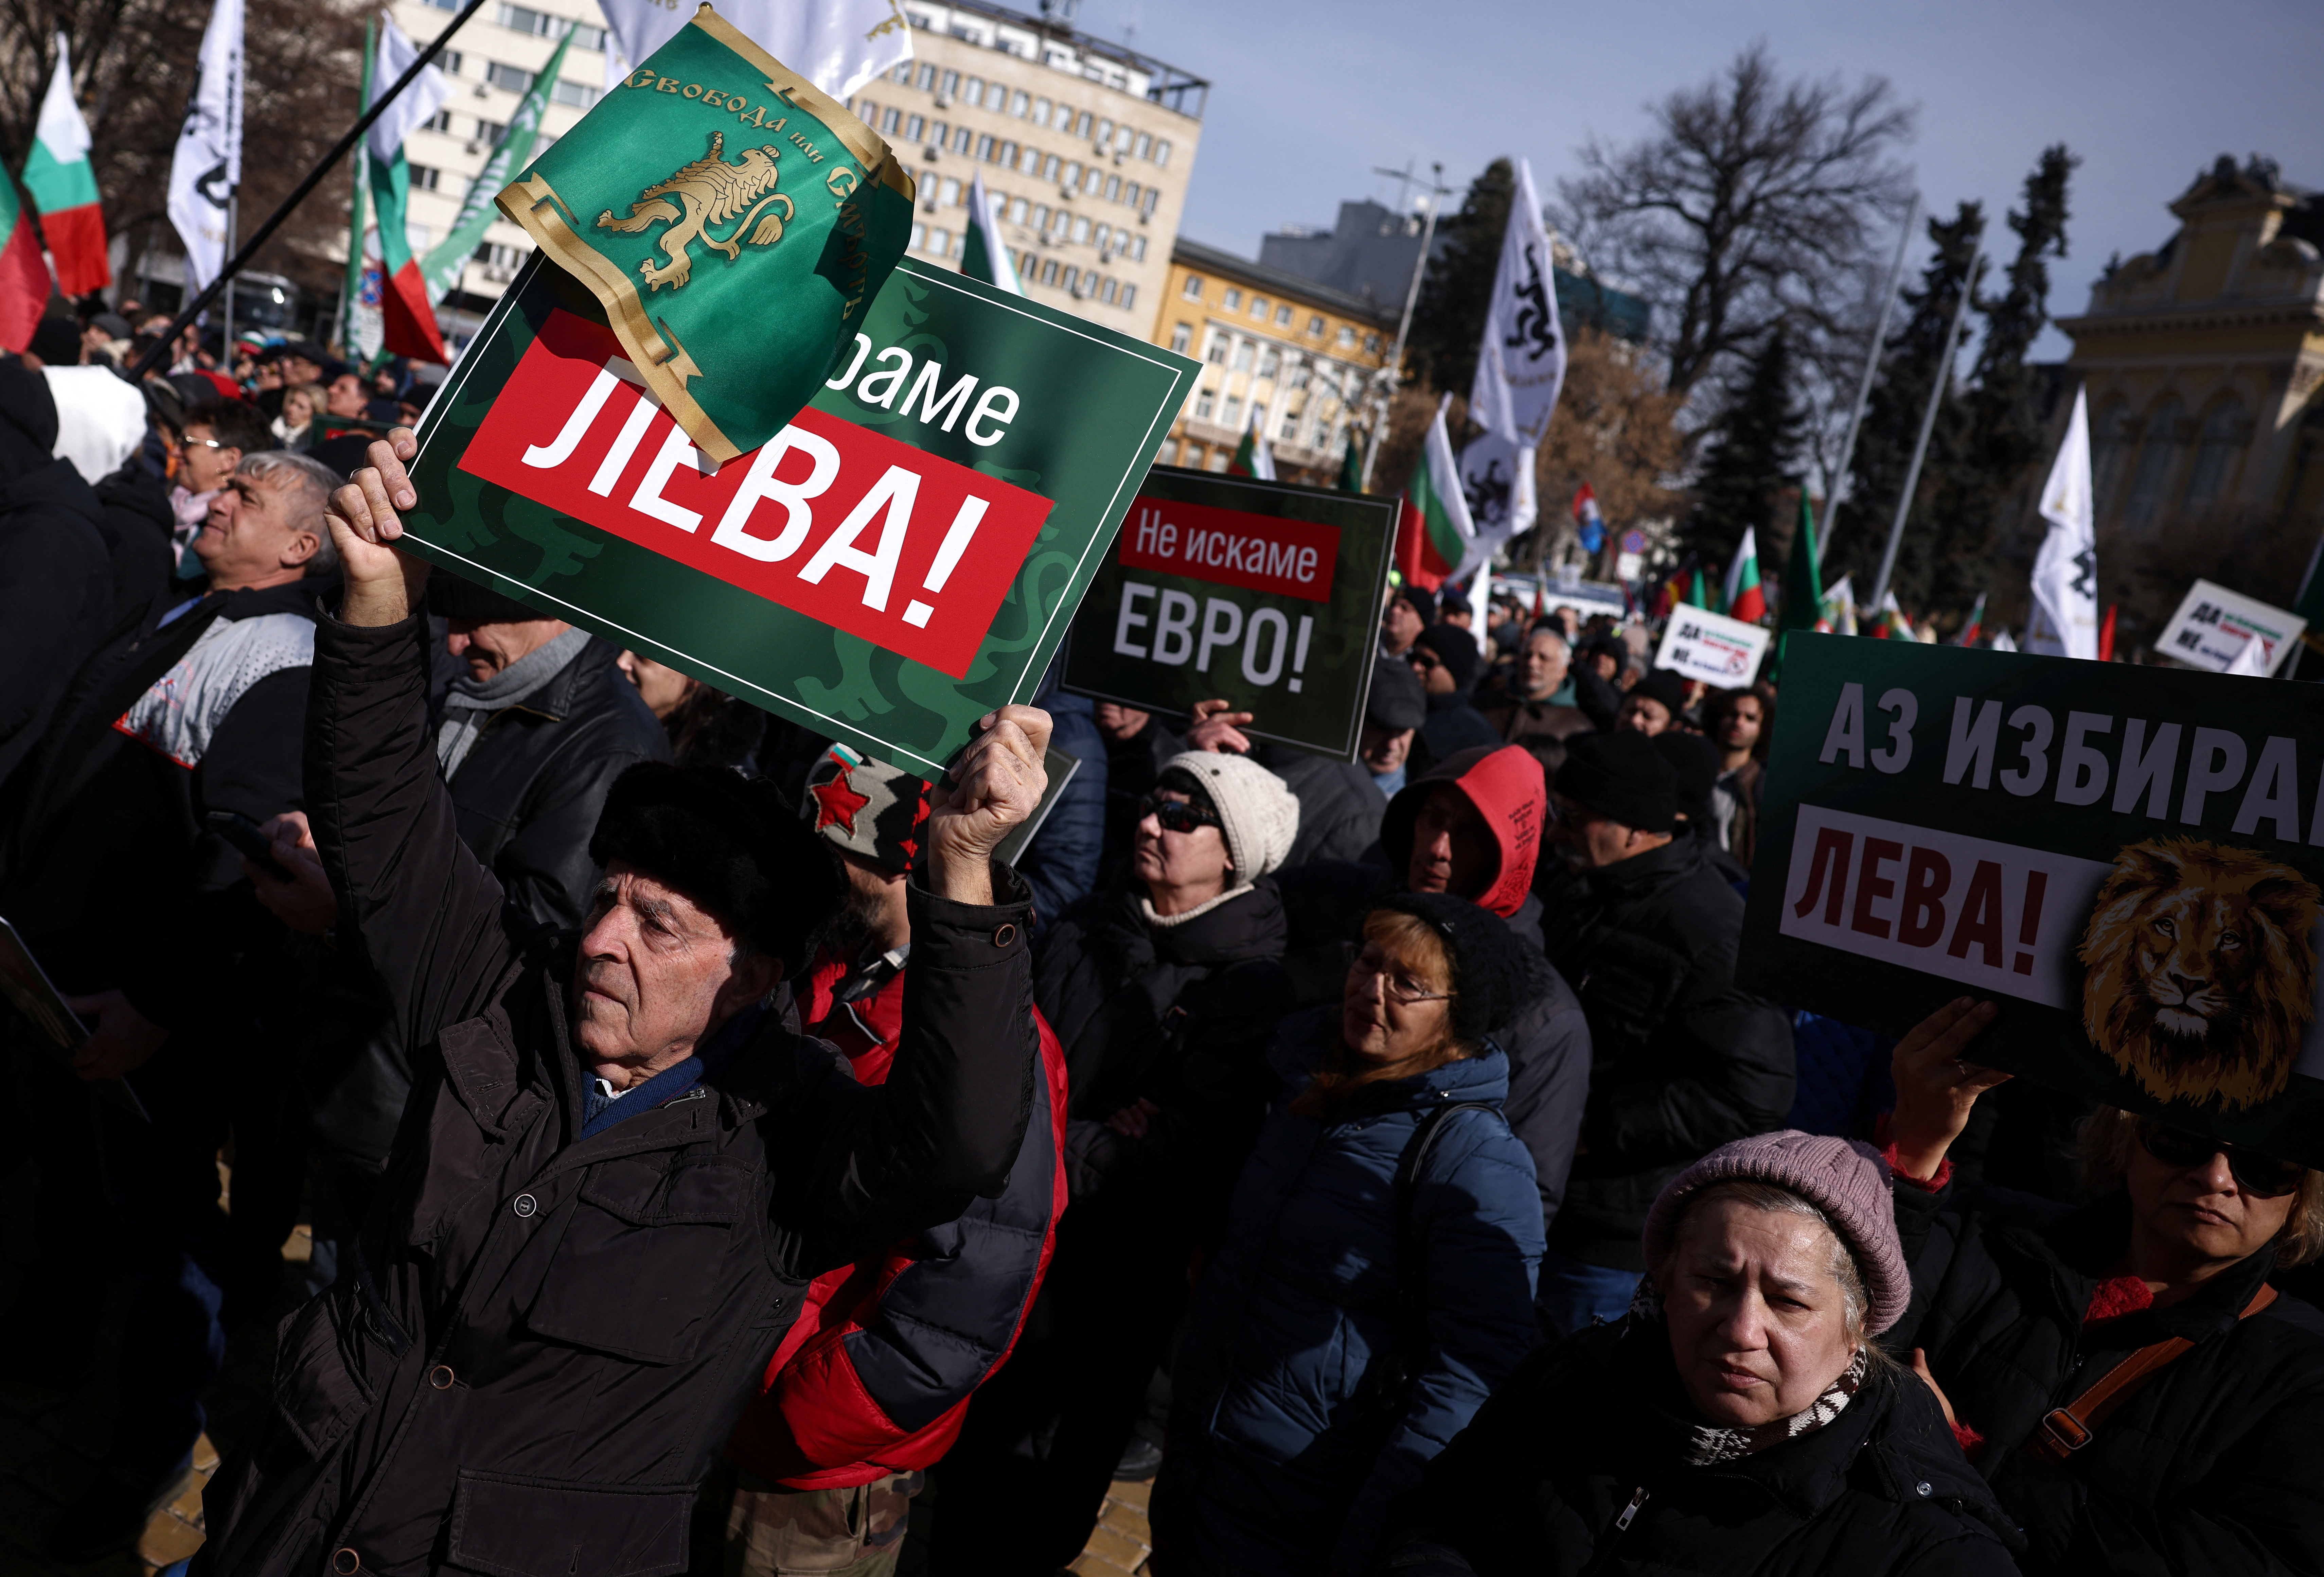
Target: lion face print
2201, 978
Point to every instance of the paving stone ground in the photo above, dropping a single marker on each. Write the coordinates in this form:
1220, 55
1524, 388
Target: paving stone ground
51, 1439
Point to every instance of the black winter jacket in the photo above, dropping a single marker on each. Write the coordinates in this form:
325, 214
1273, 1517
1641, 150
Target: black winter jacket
56, 597
110, 871
1587, 1431
1686, 1061
1180, 1015
1340, 804
2210, 1466
136, 523
528, 793
539, 1345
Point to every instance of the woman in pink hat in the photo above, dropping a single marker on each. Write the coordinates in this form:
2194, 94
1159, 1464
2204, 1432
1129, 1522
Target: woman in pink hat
1739, 1419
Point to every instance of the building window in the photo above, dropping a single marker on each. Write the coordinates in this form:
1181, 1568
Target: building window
1290, 427
441, 121
913, 126
1234, 300
1104, 134
1040, 112
1020, 105
996, 97
1258, 308
903, 74
574, 95
1081, 229
940, 242
1008, 155
1271, 363
1214, 349
1138, 249
1153, 197
1162, 151
1242, 355
920, 237
1218, 461
1102, 236
1205, 403
984, 148
951, 196
1113, 188
2157, 458
1030, 162
1112, 288
2223, 435
974, 92
1081, 127
1181, 337
1073, 174
1371, 345
424, 177
963, 139
1282, 315
1018, 211
1193, 289
892, 121
1347, 337
1070, 281
1092, 179
512, 78
1314, 326
1145, 144
1128, 297
1050, 168
939, 134
951, 83
1233, 414
927, 78
1041, 218
1129, 194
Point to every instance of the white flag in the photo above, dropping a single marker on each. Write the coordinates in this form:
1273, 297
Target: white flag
208, 164
2005, 641
984, 255
1521, 364
838, 45
415, 104
1497, 480
2251, 660
2065, 622
1262, 459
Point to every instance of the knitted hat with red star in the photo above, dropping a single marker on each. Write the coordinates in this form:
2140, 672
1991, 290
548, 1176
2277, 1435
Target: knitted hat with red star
866, 806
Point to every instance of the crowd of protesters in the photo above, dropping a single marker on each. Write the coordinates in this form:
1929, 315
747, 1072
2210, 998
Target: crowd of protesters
716, 1161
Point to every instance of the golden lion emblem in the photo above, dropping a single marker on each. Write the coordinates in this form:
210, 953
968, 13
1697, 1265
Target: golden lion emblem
2202, 981
712, 192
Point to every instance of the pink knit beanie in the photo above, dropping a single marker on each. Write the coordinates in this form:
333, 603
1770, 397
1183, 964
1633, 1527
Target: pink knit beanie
1843, 1177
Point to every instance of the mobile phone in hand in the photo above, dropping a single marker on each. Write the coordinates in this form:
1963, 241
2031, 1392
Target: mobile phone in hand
249, 839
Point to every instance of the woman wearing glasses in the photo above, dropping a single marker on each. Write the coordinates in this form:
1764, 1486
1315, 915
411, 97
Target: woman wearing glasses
2123, 1375
1377, 1276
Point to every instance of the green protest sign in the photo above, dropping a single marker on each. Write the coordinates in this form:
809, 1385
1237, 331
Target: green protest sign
900, 559
734, 221
1265, 594
2126, 859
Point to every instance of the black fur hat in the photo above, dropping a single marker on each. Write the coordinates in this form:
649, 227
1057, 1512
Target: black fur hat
733, 844
1493, 973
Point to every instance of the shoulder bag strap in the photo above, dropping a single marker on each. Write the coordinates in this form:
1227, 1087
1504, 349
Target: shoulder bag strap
2064, 1431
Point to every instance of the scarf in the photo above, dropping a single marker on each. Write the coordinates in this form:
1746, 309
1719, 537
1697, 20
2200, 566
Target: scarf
1703, 1445
472, 702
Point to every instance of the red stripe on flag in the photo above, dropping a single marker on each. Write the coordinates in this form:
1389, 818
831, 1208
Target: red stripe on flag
76, 238
408, 327
24, 286
1416, 558
1750, 604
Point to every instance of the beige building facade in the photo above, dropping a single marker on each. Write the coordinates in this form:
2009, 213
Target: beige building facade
2203, 361
1299, 358
1086, 149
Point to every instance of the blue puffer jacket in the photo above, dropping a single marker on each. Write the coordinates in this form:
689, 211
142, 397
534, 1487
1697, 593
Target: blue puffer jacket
1269, 1469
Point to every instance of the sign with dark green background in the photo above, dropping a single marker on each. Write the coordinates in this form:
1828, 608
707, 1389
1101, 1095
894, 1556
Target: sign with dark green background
2125, 859
899, 560
1263, 593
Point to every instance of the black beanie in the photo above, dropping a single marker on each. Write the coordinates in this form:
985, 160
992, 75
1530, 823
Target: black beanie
1493, 973
733, 844
1622, 777
1664, 685
1397, 701
454, 596
1696, 761
1423, 601
1457, 648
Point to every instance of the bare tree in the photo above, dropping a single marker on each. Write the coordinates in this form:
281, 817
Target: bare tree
1755, 201
133, 68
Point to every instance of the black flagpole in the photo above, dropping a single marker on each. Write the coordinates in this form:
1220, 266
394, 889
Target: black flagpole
194, 309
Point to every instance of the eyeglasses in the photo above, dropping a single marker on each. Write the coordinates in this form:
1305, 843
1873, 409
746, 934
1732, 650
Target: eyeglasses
1421, 658
2263, 1177
203, 443
1401, 988
1176, 815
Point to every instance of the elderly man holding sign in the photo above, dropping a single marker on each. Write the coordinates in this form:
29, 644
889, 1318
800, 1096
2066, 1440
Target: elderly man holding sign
619, 1169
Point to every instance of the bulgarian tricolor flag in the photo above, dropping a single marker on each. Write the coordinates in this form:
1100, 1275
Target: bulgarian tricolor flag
1433, 527
1889, 622
63, 186
23, 276
409, 321
1252, 457
1745, 600
1975, 624
983, 255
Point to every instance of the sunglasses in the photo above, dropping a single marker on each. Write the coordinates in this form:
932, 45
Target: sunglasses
1176, 815
2263, 1177
1420, 658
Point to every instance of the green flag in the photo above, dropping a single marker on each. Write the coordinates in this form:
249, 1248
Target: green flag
983, 255
444, 264
1351, 469
1697, 595
735, 338
1803, 585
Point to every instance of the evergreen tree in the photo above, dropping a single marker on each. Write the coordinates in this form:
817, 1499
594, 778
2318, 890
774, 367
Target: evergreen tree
1748, 458
1891, 421
2004, 418
1449, 318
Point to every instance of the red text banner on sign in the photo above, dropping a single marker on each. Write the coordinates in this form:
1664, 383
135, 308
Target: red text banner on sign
1262, 553
911, 552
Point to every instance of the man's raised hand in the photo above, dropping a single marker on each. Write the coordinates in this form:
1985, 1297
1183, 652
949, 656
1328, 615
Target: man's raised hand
994, 788
383, 583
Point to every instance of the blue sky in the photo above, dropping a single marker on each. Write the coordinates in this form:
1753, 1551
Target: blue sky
1308, 99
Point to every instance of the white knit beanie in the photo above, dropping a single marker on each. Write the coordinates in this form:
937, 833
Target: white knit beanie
1260, 813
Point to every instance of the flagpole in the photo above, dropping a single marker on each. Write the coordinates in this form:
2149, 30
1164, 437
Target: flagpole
1838, 478
1937, 389
1438, 192
193, 309
232, 222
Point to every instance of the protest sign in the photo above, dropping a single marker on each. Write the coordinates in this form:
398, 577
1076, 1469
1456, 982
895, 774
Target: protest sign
1699, 644
2214, 625
899, 559
2125, 859
1261, 593
57, 1032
